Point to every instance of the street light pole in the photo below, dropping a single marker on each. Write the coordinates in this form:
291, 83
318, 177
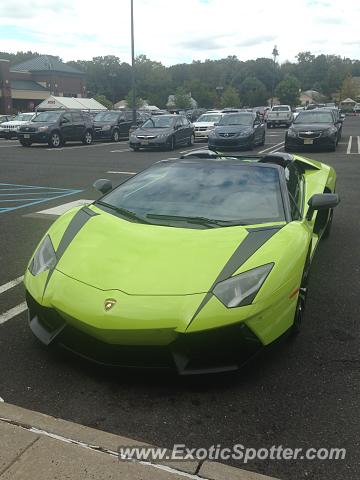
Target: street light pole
133, 66
275, 54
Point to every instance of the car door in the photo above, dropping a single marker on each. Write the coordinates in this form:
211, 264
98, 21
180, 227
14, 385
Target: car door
78, 126
188, 129
123, 125
66, 127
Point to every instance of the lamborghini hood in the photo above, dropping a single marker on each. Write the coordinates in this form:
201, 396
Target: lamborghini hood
110, 253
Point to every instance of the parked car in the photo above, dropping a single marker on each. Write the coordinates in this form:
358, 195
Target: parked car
279, 115
57, 127
313, 129
357, 108
163, 131
195, 264
113, 125
205, 123
237, 130
10, 129
297, 111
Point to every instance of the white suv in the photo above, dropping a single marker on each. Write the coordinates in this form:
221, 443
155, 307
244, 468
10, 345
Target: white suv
9, 129
205, 123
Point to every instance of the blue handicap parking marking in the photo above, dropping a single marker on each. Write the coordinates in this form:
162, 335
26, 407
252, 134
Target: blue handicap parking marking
14, 196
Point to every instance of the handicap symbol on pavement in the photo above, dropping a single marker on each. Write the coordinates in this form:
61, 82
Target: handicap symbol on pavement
14, 197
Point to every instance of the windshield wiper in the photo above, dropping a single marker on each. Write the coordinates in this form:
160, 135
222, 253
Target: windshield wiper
122, 211
196, 220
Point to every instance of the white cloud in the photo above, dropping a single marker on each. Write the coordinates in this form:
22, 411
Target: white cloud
175, 32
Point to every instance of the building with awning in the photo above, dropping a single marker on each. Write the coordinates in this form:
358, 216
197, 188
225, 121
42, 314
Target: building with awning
23, 86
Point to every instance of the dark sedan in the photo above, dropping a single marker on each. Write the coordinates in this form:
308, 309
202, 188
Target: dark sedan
316, 128
237, 130
163, 131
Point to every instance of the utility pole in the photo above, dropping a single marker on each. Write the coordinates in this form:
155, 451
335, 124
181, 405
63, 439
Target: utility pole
275, 53
133, 66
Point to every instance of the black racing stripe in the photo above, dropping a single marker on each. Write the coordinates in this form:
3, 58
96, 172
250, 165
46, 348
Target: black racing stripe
254, 240
75, 225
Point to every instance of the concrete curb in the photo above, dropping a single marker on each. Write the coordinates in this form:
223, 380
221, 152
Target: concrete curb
30, 441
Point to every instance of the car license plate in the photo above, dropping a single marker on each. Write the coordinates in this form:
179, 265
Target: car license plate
308, 141
144, 142
26, 135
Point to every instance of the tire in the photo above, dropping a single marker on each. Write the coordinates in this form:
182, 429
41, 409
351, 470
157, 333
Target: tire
55, 140
115, 137
24, 143
269, 125
301, 303
333, 147
135, 149
262, 143
191, 140
172, 144
287, 149
88, 138
251, 144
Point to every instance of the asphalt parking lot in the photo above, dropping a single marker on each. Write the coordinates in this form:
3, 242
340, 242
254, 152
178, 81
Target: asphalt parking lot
304, 393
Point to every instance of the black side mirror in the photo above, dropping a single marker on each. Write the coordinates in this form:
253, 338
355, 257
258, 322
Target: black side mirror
216, 124
322, 201
103, 185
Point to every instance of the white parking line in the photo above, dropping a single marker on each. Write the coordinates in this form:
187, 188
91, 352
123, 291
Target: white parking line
349, 145
120, 151
123, 173
358, 140
13, 312
12, 284
64, 207
272, 147
77, 146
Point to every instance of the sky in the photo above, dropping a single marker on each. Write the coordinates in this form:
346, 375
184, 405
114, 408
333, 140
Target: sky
180, 31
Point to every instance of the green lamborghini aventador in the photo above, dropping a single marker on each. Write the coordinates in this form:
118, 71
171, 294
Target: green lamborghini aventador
194, 264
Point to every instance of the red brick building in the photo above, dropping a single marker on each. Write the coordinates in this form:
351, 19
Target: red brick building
25, 85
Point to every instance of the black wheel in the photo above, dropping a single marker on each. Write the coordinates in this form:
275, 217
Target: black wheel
24, 143
269, 125
55, 140
333, 147
262, 143
302, 296
88, 138
172, 144
286, 148
136, 149
115, 137
191, 140
327, 230
251, 144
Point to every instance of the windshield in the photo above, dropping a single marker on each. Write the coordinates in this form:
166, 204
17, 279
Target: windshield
209, 118
106, 117
237, 119
159, 121
240, 194
23, 117
314, 117
280, 109
47, 117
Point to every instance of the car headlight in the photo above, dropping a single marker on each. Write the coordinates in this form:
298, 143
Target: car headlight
106, 127
44, 258
43, 129
212, 134
329, 131
241, 290
291, 133
244, 133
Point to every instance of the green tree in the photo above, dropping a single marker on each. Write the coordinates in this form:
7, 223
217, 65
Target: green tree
139, 102
253, 92
348, 88
104, 101
230, 97
288, 91
182, 99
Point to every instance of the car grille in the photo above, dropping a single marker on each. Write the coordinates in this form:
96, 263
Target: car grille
309, 134
10, 127
227, 135
146, 137
28, 129
201, 129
